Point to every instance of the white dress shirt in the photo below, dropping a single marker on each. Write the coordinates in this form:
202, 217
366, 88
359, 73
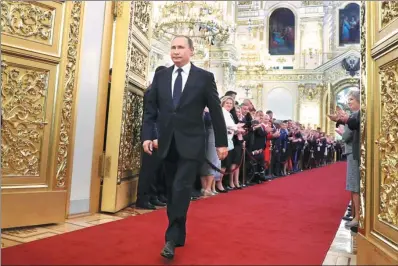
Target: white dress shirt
184, 74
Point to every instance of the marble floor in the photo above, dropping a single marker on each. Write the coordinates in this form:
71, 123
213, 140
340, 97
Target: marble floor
341, 252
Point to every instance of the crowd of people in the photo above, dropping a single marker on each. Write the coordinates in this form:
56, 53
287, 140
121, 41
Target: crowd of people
190, 134
261, 148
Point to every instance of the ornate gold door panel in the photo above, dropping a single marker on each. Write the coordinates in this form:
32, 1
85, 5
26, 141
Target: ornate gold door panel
39, 53
129, 76
378, 241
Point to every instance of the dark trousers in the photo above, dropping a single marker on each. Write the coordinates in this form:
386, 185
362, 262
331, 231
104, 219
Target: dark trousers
180, 178
149, 171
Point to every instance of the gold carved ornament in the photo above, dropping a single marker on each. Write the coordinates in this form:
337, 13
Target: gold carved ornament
388, 145
389, 12
362, 166
310, 92
67, 102
23, 97
142, 15
27, 20
138, 62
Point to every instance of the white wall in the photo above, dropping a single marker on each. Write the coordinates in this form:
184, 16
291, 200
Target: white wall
86, 105
281, 98
280, 101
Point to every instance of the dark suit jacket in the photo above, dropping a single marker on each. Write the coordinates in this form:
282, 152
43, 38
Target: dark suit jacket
185, 122
154, 130
353, 123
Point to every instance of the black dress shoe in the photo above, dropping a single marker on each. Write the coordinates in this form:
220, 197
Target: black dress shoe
221, 191
162, 198
157, 202
168, 250
145, 205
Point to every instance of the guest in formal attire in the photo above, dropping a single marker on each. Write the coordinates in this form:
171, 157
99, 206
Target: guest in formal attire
176, 102
149, 177
353, 159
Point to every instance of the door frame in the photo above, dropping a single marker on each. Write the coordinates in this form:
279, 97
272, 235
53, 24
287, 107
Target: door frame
97, 161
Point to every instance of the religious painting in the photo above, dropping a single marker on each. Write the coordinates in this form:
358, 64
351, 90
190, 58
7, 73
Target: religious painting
281, 32
349, 25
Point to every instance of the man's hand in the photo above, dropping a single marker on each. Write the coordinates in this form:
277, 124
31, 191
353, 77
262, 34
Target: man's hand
222, 152
155, 143
148, 146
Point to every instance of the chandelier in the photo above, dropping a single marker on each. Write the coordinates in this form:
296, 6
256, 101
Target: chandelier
202, 21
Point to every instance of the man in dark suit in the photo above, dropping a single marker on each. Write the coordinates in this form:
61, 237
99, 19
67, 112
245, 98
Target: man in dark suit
176, 102
146, 194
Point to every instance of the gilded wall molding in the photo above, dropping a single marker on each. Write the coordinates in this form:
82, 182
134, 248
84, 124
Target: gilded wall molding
263, 75
27, 20
142, 16
310, 92
363, 87
389, 12
388, 146
24, 97
69, 91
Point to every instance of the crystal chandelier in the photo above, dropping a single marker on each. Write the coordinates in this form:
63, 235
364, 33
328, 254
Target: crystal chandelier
202, 21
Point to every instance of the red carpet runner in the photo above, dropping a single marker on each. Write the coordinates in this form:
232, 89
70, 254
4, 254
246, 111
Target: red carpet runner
291, 220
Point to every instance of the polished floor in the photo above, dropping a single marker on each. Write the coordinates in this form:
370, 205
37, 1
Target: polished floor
342, 251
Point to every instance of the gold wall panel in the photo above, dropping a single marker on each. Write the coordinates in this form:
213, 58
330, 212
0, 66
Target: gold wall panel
136, 77
389, 12
139, 62
34, 26
27, 95
24, 98
142, 16
130, 144
378, 240
388, 145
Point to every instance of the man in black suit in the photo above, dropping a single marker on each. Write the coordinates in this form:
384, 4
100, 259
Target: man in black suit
176, 102
146, 194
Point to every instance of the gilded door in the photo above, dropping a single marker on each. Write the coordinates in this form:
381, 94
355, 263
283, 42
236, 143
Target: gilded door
39, 53
378, 241
129, 77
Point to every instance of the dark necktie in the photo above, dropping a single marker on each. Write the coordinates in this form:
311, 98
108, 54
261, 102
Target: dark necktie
177, 88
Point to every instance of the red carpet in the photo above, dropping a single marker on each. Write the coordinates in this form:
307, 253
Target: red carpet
291, 220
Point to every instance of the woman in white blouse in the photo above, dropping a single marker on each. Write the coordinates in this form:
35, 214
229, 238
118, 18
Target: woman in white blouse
227, 103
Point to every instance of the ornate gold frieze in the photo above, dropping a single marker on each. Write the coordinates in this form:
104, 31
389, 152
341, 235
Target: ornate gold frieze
27, 20
310, 92
68, 96
388, 145
23, 98
262, 74
138, 62
142, 15
362, 167
389, 12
